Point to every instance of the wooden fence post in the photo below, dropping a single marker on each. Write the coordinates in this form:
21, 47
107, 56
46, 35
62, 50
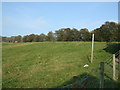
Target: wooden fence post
92, 48
114, 67
74, 85
101, 74
119, 67
84, 84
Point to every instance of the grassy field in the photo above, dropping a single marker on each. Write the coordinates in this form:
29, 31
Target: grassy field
47, 64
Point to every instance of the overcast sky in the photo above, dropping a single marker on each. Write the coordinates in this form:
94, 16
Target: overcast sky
22, 18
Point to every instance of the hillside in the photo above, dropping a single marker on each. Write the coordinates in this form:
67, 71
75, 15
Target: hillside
48, 64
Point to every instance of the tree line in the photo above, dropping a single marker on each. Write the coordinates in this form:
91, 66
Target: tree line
109, 31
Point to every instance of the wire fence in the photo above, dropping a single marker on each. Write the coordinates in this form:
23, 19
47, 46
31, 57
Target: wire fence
109, 72
92, 80
86, 81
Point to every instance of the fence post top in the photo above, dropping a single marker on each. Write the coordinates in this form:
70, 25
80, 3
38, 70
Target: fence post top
101, 62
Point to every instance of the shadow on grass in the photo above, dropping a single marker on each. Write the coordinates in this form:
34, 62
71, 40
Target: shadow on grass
92, 82
112, 48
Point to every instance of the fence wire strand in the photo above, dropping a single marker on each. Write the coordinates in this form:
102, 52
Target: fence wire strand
108, 75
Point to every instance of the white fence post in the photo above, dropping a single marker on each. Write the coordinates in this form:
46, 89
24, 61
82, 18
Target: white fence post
92, 48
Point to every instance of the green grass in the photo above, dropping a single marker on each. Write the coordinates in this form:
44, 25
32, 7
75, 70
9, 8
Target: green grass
47, 64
